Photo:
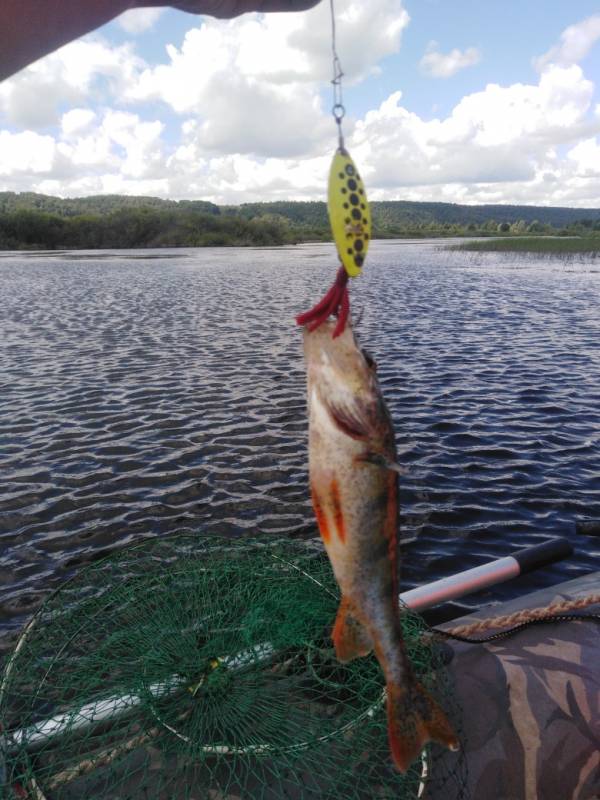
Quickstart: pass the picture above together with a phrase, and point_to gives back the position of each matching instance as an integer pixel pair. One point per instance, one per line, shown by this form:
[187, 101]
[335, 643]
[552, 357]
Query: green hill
[96, 204]
[29, 220]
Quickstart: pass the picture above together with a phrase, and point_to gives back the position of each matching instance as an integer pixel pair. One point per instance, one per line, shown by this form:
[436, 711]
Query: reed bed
[543, 245]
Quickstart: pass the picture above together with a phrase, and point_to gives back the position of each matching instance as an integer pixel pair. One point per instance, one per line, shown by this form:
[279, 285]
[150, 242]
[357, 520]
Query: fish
[353, 471]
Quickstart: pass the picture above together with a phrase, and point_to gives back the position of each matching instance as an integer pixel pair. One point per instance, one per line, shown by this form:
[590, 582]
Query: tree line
[132, 227]
[34, 221]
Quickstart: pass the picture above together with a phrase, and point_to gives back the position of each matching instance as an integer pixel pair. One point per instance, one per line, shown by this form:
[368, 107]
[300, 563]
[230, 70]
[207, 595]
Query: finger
[226, 9]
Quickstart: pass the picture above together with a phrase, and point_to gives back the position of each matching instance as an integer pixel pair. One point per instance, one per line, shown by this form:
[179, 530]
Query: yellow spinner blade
[349, 213]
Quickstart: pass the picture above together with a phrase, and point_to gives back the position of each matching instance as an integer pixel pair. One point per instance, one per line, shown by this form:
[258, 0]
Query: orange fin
[414, 718]
[349, 635]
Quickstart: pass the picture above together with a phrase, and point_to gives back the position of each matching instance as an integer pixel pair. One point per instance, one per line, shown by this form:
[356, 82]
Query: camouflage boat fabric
[531, 705]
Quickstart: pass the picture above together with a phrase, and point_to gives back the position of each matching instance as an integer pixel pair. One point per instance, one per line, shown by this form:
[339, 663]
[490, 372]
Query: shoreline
[479, 242]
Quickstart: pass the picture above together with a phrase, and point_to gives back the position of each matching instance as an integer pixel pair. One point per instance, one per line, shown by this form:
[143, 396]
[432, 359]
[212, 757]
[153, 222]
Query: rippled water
[152, 392]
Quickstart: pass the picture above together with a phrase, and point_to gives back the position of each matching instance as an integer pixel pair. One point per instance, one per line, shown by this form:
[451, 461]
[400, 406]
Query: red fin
[350, 636]
[414, 718]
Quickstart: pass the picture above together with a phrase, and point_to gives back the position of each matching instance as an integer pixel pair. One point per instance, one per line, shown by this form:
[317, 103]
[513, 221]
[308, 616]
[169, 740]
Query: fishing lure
[349, 214]
[349, 218]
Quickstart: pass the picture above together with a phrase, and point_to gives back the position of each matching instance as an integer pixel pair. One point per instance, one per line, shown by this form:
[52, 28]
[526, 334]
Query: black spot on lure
[349, 212]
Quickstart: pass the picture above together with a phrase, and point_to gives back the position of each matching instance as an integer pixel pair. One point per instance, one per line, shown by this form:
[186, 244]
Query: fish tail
[350, 637]
[414, 718]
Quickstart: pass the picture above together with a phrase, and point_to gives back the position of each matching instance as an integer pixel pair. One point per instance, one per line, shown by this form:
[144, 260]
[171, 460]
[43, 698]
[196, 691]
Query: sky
[446, 100]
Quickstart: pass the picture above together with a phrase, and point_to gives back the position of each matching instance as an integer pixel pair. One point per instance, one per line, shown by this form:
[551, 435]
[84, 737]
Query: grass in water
[545, 245]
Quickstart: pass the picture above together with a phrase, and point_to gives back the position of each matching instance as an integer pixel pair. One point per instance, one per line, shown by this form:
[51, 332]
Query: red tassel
[336, 302]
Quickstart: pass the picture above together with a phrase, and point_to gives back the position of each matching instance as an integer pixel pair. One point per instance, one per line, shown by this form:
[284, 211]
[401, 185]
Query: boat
[531, 701]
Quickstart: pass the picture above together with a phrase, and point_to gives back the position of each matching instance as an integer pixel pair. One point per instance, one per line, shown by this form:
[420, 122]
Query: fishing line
[348, 210]
[338, 109]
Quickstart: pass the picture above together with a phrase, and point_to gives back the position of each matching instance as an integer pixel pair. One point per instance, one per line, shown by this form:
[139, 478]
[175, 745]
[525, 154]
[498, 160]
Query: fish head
[343, 390]
[338, 366]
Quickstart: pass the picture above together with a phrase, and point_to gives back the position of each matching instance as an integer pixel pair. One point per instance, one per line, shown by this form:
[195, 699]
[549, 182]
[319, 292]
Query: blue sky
[460, 101]
[509, 34]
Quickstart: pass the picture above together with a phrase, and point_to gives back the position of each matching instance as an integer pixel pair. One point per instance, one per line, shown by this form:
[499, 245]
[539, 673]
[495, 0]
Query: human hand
[30, 29]
[231, 8]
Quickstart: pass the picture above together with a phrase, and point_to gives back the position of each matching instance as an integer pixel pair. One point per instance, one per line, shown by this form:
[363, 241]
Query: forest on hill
[36, 221]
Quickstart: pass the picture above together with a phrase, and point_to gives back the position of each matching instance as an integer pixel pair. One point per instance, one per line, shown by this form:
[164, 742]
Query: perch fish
[354, 488]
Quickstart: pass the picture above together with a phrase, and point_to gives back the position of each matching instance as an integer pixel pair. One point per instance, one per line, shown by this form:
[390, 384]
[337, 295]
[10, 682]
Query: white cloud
[252, 125]
[76, 121]
[121, 147]
[239, 178]
[139, 20]
[139, 141]
[365, 33]
[575, 43]
[251, 118]
[33, 97]
[440, 65]
[550, 111]
[250, 88]
[586, 158]
[275, 48]
[521, 143]
[500, 144]
[26, 152]
[256, 80]
[253, 82]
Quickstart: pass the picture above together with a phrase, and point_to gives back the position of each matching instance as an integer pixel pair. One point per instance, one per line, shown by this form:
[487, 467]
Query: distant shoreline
[30, 221]
[327, 239]
[481, 243]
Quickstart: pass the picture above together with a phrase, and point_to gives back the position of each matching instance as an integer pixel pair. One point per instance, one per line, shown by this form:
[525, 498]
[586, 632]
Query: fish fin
[349, 420]
[350, 637]
[379, 460]
[414, 718]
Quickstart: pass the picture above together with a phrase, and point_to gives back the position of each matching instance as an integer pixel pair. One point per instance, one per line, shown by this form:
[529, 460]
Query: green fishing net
[201, 668]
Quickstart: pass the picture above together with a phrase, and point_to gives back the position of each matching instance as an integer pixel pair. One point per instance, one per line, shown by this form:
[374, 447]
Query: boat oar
[489, 574]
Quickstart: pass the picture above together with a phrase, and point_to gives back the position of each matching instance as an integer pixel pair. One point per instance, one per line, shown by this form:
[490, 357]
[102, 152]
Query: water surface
[148, 392]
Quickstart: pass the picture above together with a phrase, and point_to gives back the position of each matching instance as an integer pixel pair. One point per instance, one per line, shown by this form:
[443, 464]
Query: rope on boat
[555, 612]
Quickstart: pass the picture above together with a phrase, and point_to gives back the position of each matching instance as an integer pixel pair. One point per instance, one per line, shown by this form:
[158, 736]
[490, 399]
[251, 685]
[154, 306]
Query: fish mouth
[320, 344]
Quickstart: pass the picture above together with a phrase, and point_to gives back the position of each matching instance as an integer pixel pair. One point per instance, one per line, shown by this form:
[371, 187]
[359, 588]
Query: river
[148, 392]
